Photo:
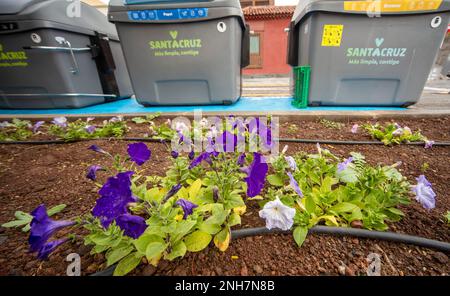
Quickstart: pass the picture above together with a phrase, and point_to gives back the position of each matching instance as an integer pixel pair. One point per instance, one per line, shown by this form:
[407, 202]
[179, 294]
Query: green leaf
[154, 250]
[234, 219]
[144, 240]
[23, 216]
[127, 264]
[310, 205]
[349, 175]
[178, 250]
[56, 209]
[210, 228]
[300, 235]
[117, 254]
[396, 211]
[182, 228]
[343, 207]
[197, 241]
[275, 180]
[15, 223]
[194, 189]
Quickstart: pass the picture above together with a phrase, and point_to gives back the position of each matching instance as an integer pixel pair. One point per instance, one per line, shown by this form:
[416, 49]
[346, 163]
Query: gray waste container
[58, 54]
[367, 54]
[183, 52]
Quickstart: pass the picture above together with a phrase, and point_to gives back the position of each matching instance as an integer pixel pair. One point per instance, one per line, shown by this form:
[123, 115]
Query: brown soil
[54, 174]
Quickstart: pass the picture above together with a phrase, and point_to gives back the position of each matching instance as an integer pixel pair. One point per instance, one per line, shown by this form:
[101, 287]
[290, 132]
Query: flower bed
[32, 175]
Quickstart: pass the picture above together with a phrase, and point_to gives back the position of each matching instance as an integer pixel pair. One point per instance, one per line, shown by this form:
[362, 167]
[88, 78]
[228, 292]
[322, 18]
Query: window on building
[255, 50]
[245, 3]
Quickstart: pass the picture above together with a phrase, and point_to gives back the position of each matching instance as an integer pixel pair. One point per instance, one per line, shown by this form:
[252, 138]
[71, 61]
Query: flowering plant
[324, 189]
[16, 130]
[86, 129]
[393, 133]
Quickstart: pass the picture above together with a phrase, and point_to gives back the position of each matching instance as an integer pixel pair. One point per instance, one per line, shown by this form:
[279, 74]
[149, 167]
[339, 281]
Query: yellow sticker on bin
[392, 5]
[332, 35]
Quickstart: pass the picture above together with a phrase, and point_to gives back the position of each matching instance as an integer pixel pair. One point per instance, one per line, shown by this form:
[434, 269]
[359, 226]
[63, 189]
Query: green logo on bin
[12, 58]
[376, 55]
[174, 34]
[175, 46]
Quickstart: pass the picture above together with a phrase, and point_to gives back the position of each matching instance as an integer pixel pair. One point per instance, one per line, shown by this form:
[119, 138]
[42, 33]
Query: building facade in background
[268, 39]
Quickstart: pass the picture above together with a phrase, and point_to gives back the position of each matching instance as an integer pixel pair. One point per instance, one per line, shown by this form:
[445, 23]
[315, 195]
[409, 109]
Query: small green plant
[147, 119]
[80, 129]
[16, 130]
[323, 190]
[424, 167]
[393, 133]
[292, 128]
[331, 124]
[447, 216]
[24, 219]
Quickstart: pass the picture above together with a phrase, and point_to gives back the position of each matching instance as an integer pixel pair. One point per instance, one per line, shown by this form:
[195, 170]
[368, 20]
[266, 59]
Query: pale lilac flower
[4, 124]
[89, 119]
[277, 215]
[291, 161]
[343, 165]
[90, 129]
[60, 121]
[429, 144]
[355, 128]
[398, 132]
[293, 183]
[424, 193]
[37, 125]
[116, 119]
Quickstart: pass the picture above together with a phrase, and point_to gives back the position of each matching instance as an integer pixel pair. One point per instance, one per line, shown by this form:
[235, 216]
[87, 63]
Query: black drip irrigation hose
[283, 140]
[328, 230]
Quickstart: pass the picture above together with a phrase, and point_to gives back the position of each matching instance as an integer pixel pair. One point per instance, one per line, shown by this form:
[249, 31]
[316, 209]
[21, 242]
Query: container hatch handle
[102, 54]
[292, 50]
[245, 54]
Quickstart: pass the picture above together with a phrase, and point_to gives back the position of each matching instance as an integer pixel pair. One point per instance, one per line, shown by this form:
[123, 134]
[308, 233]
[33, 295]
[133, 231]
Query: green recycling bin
[367, 53]
[183, 52]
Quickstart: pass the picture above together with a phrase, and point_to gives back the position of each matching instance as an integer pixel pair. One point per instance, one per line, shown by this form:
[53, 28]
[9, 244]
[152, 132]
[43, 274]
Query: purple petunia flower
[291, 162]
[174, 154]
[42, 228]
[256, 175]
[97, 149]
[215, 194]
[115, 196]
[227, 142]
[37, 125]
[60, 121]
[205, 156]
[90, 129]
[139, 153]
[174, 190]
[355, 128]
[293, 183]
[424, 193]
[264, 132]
[49, 247]
[429, 144]
[343, 165]
[92, 171]
[241, 159]
[133, 226]
[188, 207]
[191, 155]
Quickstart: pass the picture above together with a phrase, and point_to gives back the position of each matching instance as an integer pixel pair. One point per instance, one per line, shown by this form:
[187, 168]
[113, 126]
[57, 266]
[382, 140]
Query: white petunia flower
[277, 215]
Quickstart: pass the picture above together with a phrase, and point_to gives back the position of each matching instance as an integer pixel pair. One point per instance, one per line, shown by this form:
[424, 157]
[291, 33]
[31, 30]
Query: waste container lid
[370, 7]
[210, 9]
[57, 14]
